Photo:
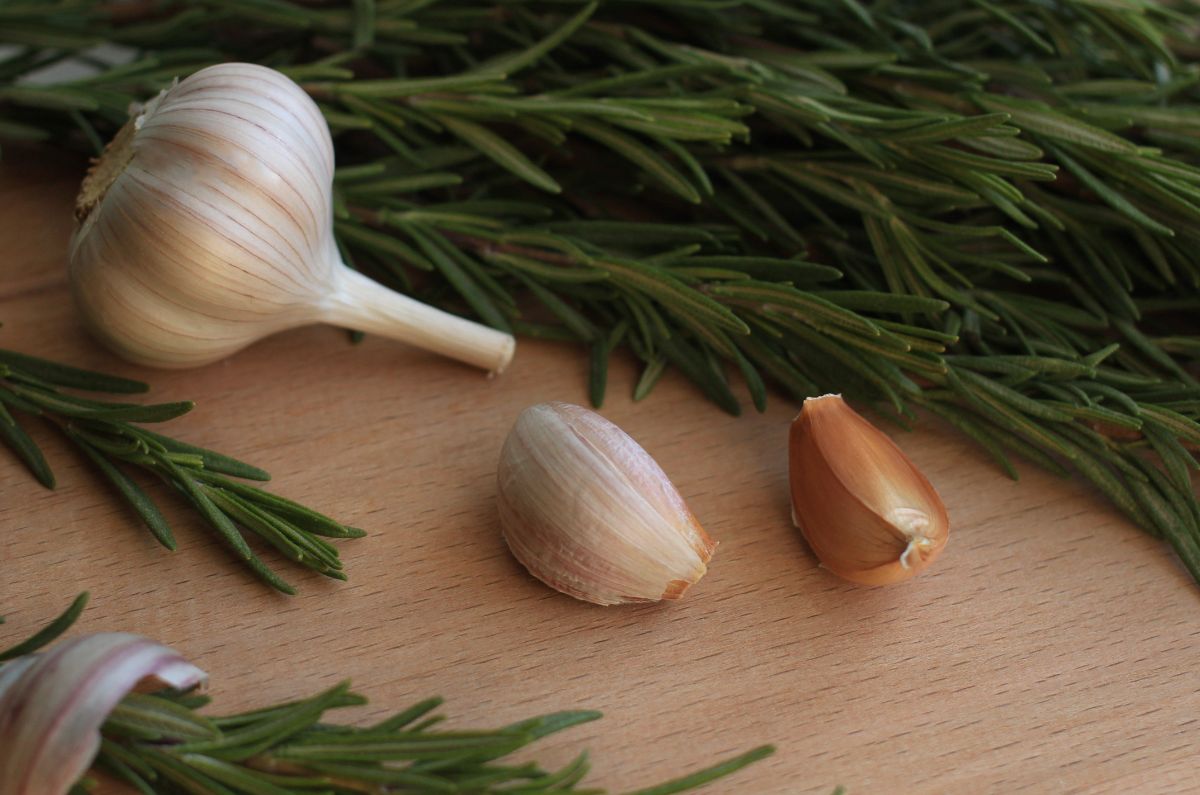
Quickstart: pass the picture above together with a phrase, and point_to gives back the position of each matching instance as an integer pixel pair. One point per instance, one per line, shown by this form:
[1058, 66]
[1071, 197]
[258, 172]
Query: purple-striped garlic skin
[52, 704]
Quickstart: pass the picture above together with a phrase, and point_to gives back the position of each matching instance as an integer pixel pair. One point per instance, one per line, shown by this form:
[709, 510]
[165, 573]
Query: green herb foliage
[161, 744]
[111, 437]
[989, 210]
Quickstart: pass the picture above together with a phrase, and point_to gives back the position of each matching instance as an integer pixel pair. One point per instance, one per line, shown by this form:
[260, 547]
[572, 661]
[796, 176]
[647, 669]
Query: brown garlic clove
[866, 511]
[588, 512]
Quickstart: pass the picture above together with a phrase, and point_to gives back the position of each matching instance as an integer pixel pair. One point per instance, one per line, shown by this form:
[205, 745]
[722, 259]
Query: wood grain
[1051, 648]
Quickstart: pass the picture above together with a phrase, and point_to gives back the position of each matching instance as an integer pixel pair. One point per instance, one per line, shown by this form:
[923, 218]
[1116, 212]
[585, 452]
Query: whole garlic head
[591, 514]
[232, 165]
[207, 224]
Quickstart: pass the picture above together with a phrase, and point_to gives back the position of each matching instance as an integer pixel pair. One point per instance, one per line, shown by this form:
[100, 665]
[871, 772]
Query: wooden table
[1051, 648]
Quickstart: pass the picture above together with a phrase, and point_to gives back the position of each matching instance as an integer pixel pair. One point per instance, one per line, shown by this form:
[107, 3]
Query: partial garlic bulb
[591, 514]
[52, 705]
[207, 225]
[866, 511]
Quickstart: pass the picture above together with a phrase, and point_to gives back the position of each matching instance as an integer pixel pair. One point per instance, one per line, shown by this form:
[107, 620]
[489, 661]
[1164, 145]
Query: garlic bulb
[53, 704]
[207, 225]
[590, 513]
[866, 511]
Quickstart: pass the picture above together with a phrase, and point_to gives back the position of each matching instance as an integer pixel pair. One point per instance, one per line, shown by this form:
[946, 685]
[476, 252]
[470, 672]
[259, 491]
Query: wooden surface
[1051, 648]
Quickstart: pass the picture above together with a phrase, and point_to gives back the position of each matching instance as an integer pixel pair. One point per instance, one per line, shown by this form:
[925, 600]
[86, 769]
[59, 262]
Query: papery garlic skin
[207, 225]
[588, 512]
[52, 705]
[869, 515]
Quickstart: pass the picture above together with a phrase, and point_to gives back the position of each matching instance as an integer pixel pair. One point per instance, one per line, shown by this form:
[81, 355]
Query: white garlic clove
[208, 224]
[869, 515]
[52, 705]
[588, 512]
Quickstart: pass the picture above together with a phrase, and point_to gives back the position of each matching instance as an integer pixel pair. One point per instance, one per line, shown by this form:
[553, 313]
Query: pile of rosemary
[161, 744]
[988, 210]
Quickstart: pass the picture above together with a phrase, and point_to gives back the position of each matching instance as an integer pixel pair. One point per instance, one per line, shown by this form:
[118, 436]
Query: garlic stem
[362, 304]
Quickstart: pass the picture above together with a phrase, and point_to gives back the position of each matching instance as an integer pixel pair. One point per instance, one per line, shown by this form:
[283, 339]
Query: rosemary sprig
[161, 744]
[111, 437]
[990, 212]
